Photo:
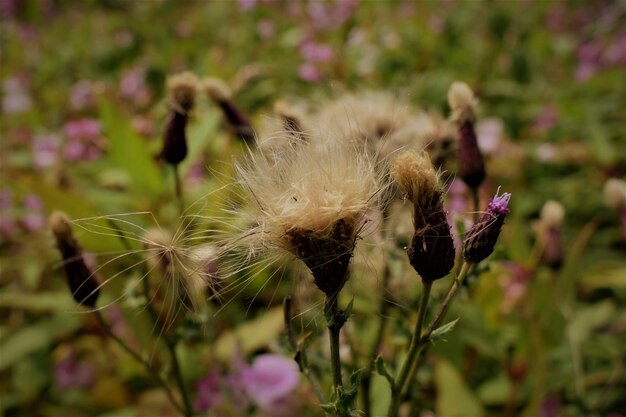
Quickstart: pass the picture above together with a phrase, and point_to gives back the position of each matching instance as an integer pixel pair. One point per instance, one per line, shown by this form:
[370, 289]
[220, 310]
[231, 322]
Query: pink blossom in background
[246, 5]
[84, 139]
[70, 373]
[316, 52]
[546, 120]
[330, 14]
[266, 29]
[309, 72]
[514, 283]
[34, 218]
[81, 95]
[133, 86]
[269, 381]
[208, 393]
[551, 406]
[15, 97]
[45, 151]
[490, 132]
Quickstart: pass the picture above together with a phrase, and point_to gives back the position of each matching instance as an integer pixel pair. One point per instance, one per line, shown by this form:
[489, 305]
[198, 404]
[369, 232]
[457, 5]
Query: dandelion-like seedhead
[462, 102]
[482, 237]
[311, 200]
[181, 89]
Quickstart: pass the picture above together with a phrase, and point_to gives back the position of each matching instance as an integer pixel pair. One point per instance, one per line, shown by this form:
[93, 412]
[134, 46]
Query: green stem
[476, 199]
[401, 382]
[105, 326]
[367, 374]
[335, 322]
[178, 187]
[171, 347]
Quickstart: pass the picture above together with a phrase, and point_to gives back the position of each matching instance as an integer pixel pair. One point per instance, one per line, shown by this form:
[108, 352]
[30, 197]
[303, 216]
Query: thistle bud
[291, 120]
[432, 248]
[470, 165]
[482, 237]
[220, 94]
[551, 220]
[182, 91]
[82, 281]
[615, 197]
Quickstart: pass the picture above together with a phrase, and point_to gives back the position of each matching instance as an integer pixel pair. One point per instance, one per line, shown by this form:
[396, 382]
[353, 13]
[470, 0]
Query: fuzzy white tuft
[216, 89]
[182, 90]
[462, 102]
[552, 214]
[615, 193]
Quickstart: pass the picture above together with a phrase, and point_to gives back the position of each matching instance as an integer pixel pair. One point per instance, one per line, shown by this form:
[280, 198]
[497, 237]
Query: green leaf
[455, 398]
[250, 335]
[439, 332]
[35, 337]
[127, 151]
[59, 301]
[382, 370]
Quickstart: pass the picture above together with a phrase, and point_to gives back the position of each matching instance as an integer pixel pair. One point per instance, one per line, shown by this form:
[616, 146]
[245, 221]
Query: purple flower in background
[271, 379]
[70, 373]
[245, 5]
[15, 96]
[489, 132]
[316, 52]
[209, 395]
[45, 151]
[309, 72]
[551, 406]
[81, 95]
[83, 140]
[328, 15]
[34, 218]
[514, 284]
[266, 29]
[547, 119]
[133, 86]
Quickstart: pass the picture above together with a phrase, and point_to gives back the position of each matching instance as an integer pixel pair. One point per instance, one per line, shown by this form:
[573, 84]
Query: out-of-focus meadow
[83, 114]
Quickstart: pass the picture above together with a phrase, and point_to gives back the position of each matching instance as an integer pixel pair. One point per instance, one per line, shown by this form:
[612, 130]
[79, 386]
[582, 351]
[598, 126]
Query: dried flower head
[615, 193]
[432, 248]
[482, 237]
[552, 214]
[182, 91]
[183, 269]
[312, 201]
[83, 283]
[551, 221]
[221, 94]
[291, 120]
[470, 163]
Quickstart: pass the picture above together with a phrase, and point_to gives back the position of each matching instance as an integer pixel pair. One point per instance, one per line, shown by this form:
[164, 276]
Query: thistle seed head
[182, 91]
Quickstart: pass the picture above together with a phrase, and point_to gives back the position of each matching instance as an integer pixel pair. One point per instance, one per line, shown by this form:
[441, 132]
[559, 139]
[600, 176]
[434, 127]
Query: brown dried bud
[553, 248]
[327, 256]
[471, 165]
[220, 94]
[82, 281]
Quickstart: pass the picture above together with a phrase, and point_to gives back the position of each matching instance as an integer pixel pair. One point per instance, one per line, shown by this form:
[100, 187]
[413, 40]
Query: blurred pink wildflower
[70, 373]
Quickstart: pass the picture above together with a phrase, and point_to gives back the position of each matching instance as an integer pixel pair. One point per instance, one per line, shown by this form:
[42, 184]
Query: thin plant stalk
[300, 354]
[367, 375]
[476, 200]
[414, 349]
[408, 369]
[178, 188]
[105, 326]
[334, 328]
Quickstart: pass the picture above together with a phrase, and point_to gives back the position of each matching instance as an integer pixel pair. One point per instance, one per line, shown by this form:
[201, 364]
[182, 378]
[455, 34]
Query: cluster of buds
[432, 248]
[83, 282]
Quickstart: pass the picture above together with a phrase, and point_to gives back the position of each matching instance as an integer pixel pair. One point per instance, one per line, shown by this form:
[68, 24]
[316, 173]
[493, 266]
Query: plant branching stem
[105, 326]
[300, 354]
[335, 323]
[414, 349]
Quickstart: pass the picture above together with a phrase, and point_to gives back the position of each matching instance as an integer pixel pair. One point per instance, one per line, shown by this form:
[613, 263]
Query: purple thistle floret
[482, 237]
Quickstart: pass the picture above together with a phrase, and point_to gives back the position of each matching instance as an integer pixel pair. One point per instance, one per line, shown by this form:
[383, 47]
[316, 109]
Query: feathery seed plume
[312, 201]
